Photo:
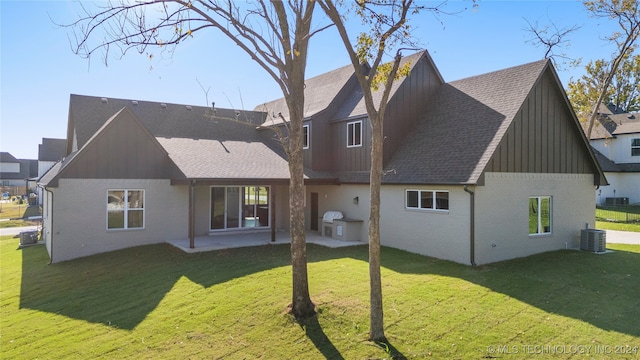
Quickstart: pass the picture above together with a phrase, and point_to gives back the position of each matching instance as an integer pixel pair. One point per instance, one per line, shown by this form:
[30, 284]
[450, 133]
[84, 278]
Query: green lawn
[624, 218]
[17, 212]
[158, 302]
[606, 225]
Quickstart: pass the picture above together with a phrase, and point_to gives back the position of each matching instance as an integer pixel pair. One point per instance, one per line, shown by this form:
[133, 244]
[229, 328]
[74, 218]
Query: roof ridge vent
[163, 105]
[134, 102]
[104, 100]
[189, 107]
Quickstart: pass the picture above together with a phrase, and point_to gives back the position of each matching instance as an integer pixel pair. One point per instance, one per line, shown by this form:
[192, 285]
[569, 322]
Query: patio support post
[192, 210]
[272, 203]
[472, 225]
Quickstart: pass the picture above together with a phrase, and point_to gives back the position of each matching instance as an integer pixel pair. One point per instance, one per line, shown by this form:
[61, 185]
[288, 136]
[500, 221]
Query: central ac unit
[593, 240]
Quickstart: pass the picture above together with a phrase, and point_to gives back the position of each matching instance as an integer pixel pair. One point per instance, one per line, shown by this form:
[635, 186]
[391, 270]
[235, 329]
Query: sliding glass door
[234, 207]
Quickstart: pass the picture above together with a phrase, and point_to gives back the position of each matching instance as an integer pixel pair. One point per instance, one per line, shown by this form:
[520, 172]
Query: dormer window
[305, 136]
[635, 147]
[354, 134]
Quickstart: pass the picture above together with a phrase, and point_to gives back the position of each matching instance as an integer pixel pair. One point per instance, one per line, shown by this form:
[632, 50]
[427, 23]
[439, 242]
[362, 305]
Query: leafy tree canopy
[623, 94]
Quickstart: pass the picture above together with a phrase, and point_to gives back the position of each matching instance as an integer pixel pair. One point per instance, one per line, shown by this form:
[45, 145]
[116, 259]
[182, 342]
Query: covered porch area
[246, 239]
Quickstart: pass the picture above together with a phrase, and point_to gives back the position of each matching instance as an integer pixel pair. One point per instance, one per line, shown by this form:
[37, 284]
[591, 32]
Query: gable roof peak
[536, 66]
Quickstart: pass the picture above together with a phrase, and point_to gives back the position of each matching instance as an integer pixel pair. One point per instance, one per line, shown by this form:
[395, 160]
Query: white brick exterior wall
[79, 226]
[340, 198]
[441, 234]
[502, 227]
[501, 216]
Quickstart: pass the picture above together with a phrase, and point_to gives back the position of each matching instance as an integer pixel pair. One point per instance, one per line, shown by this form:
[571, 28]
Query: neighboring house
[15, 174]
[616, 140]
[49, 153]
[478, 170]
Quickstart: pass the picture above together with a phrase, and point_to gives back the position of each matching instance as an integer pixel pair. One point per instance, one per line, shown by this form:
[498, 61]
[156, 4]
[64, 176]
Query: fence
[619, 213]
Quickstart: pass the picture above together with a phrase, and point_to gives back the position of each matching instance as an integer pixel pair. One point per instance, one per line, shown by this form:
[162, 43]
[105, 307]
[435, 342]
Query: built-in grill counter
[336, 226]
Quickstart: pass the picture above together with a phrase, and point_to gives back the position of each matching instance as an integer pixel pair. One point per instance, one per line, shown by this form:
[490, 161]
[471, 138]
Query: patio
[246, 239]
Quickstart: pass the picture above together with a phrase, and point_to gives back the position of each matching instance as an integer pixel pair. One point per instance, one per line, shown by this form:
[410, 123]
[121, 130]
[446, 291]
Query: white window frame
[126, 210]
[306, 137]
[434, 204]
[540, 228]
[635, 147]
[351, 140]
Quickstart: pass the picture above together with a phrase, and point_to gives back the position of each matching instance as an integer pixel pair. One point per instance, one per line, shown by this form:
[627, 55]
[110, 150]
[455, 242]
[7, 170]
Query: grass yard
[607, 225]
[623, 218]
[157, 302]
[15, 211]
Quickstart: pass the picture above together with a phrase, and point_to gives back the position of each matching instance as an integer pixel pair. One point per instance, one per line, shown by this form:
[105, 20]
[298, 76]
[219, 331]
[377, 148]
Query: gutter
[472, 226]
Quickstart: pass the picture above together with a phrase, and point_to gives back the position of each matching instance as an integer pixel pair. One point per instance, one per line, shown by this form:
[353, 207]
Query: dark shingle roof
[609, 124]
[609, 166]
[6, 157]
[225, 159]
[28, 168]
[319, 92]
[464, 124]
[161, 119]
[52, 149]
[202, 145]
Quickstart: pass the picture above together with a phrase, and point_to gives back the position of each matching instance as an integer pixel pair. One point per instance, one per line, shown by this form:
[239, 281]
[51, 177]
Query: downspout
[192, 211]
[472, 225]
[51, 221]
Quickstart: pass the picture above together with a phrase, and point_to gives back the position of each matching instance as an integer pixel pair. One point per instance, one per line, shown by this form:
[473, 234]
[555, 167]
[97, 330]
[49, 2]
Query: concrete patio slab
[235, 240]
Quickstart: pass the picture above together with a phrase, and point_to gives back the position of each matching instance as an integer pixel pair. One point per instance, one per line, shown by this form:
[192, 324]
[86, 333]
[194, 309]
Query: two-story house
[50, 151]
[15, 174]
[616, 140]
[477, 170]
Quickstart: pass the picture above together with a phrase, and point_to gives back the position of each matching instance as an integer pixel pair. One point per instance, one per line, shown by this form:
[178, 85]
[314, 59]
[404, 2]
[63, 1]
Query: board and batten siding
[405, 107]
[502, 214]
[353, 158]
[79, 225]
[319, 156]
[408, 104]
[543, 138]
[123, 149]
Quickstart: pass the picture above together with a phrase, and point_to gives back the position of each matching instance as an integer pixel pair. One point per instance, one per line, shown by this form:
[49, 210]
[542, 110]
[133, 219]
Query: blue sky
[38, 70]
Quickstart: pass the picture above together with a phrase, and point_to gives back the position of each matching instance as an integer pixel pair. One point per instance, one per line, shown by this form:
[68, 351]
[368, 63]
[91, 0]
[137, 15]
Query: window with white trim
[354, 133]
[305, 136]
[540, 215]
[125, 209]
[427, 199]
[635, 147]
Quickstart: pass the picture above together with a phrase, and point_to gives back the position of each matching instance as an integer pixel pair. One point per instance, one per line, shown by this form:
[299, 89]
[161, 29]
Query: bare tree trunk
[274, 33]
[376, 333]
[301, 305]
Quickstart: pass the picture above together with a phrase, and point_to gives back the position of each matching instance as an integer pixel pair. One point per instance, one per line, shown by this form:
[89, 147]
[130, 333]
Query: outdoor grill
[329, 216]
[327, 222]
